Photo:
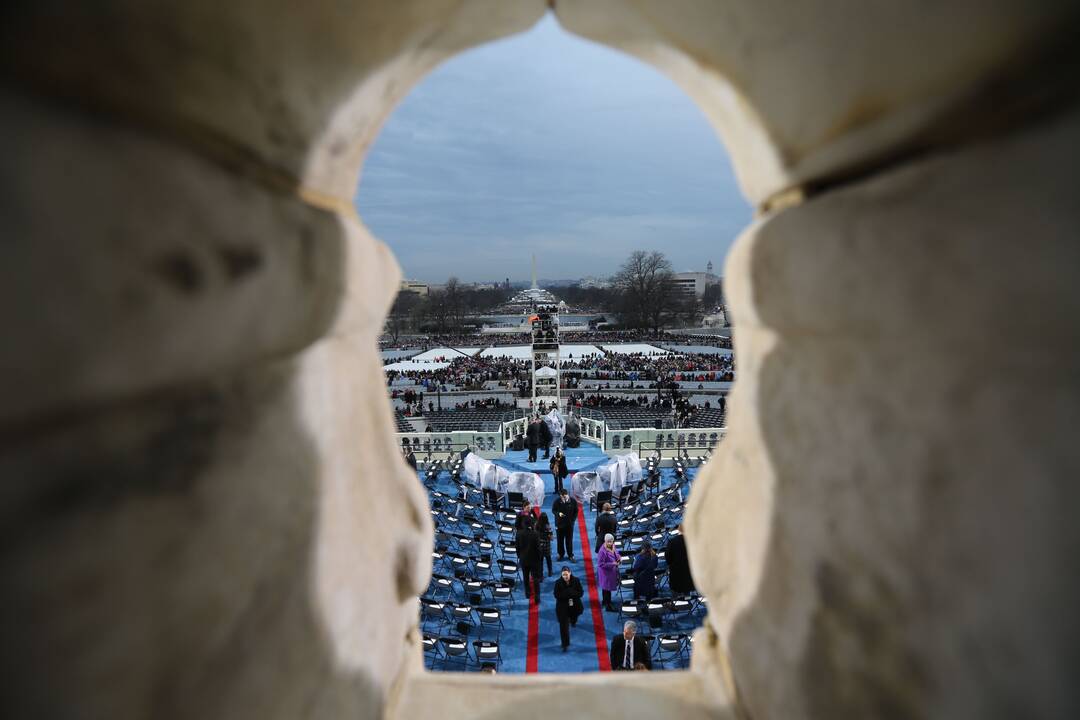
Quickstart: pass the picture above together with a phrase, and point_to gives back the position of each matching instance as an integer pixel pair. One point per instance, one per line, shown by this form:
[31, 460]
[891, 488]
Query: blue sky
[548, 143]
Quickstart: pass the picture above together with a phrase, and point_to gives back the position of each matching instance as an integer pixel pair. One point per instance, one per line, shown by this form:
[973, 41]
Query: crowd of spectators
[593, 337]
[662, 380]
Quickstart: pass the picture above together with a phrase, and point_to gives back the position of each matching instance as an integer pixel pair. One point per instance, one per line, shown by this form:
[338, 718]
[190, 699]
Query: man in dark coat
[558, 469]
[532, 438]
[410, 458]
[528, 552]
[621, 659]
[572, 437]
[679, 578]
[545, 439]
[605, 523]
[568, 593]
[565, 509]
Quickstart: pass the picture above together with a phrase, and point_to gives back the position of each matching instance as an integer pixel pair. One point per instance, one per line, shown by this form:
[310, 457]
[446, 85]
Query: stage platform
[584, 457]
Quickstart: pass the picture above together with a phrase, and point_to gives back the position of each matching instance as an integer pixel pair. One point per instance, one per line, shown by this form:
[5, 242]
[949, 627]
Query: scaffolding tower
[546, 367]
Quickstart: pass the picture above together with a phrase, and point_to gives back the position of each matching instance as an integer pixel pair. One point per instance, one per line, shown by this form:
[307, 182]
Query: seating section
[625, 418]
[708, 418]
[472, 419]
[401, 424]
[475, 588]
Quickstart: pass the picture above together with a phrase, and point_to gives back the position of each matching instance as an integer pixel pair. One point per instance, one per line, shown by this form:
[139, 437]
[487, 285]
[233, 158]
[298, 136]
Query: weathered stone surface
[810, 90]
[296, 92]
[537, 697]
[130, 264]
[890, 516]
[204, 514]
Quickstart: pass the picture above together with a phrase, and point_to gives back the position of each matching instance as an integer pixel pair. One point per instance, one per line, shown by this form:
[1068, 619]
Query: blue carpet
[582, 654]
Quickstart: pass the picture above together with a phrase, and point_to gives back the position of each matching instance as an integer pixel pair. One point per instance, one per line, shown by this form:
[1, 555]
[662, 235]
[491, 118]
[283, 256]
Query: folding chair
[462, 613]
[657, 610]
[454, 649]
[432, 649]
[482, 566]
[508, 570]
[490, 617]
[474, 588]
[629, 610]
[433, 613]
[457, 561]
[502, 591]
[486, 651]
[681, 607]
[442, 583]
[508, 549]
[514, 500]
[671, 648]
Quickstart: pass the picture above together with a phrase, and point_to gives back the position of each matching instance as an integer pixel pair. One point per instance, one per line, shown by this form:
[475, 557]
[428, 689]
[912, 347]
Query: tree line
[643, 295]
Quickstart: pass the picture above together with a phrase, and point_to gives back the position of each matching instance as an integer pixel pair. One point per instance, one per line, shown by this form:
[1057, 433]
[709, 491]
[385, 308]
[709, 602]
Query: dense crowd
[584, 378]
[593, 337]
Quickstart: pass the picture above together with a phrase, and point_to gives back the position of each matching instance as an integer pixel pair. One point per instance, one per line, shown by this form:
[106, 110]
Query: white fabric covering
[557, 427]
[528, 484]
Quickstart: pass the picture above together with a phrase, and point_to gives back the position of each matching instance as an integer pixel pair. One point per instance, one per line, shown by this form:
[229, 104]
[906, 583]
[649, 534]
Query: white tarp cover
[407, 365]
[636, 349]
[623, 470]
[528, 484]
[584, 486]
[557, 427]
[546, 371]
[441, 352]
[484, 474]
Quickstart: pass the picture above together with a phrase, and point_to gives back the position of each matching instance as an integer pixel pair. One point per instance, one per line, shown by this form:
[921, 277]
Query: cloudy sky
[548, 143]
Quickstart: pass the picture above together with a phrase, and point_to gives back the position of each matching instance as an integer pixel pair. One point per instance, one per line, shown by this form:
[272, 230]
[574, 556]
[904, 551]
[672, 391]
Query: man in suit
[605, 524]
[532, 438]
[679, 578]
[558, 469]
[545, 438]
[568, 593]
[565, 509]
[528, 552]
[628, 650]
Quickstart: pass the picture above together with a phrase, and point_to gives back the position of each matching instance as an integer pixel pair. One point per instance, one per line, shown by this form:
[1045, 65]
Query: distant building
[593, 282]
[416, 287]
[694, 283]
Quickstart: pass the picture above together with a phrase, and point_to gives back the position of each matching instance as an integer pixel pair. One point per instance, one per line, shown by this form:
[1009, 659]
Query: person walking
[605, 523]
[543, 533]
[679, 579]
[545, 438]
[607, 562]
[644, 573]
[558, 468]
[532, 438]
[527, 513]
[628, 650]
[565, 509]
[568, 606]
[528, 552]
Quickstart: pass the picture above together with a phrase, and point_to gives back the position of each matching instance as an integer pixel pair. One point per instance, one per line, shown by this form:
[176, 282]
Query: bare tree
[401, 312]
[646, 287]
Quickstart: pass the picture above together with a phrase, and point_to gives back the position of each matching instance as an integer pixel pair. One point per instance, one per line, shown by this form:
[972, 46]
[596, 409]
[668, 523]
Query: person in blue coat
[644, 573]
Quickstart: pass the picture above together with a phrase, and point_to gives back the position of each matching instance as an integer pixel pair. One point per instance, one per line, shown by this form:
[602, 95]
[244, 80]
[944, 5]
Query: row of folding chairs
[452, 649]
[674, 648]
[438, 615]
[679, 612]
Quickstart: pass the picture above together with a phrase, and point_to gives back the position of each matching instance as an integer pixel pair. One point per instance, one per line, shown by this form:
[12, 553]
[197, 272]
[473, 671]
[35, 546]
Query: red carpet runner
[597, 612]
[532, 657]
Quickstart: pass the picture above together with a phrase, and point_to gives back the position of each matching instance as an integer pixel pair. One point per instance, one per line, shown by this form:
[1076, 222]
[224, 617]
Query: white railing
[643, 441]
[669, 442]
[488, 445]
